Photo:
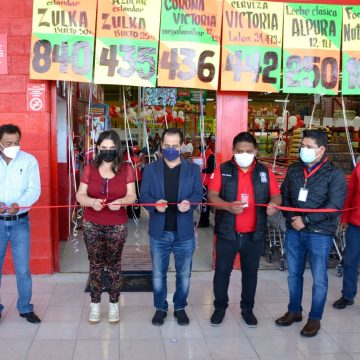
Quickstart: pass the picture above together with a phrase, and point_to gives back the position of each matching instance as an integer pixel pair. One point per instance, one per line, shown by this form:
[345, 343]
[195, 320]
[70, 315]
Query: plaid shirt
[20, 181]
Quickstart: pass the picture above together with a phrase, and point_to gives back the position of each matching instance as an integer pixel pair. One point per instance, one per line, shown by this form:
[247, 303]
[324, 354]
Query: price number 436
[191, 66]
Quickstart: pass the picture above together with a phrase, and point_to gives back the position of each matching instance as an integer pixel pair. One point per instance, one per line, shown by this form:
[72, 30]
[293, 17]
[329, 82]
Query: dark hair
[319, 136]
[114, 136]
[9, 129]
[244, 137]
[173, 131]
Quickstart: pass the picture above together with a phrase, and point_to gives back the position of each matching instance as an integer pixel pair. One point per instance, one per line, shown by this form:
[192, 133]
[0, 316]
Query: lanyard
[313, 171]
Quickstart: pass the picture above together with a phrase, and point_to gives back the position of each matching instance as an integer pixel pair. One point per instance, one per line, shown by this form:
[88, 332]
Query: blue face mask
[170, 154]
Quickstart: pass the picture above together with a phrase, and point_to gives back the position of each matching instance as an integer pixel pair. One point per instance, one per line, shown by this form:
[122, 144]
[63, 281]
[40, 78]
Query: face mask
[244, 160]
[308, 155]
[170, 154]
[11, 151]
[107, 155]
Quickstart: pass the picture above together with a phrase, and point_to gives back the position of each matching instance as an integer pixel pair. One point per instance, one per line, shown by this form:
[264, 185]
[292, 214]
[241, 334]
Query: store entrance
[148, 113]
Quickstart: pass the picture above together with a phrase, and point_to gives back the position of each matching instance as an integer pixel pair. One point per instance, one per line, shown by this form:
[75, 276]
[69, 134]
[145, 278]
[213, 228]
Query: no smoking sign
[36, 97]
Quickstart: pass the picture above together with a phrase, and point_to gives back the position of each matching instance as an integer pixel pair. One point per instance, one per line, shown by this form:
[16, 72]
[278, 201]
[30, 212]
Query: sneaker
[94, 316]
[342, 303]
[217, 317]
[158, 318]
[114, 315]
[181, 317]
[249, 318]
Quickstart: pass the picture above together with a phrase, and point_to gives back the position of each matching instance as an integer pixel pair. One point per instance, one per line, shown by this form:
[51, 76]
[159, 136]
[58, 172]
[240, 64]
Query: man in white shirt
[19, 190]
[187, 148]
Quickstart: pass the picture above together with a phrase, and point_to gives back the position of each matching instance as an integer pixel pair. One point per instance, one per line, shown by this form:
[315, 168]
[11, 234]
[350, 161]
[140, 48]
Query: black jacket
[326, 190]
[224, 220]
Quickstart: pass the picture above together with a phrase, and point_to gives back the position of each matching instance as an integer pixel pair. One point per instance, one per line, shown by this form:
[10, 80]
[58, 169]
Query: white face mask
[244, 160]
[11, 151]
[308, 155]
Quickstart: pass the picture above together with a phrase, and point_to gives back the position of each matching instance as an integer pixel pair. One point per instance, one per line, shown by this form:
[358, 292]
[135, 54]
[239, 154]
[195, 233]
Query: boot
[114, 315]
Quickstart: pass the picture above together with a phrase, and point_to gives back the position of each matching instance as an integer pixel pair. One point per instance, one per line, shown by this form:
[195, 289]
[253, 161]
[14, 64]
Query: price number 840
[45, 55]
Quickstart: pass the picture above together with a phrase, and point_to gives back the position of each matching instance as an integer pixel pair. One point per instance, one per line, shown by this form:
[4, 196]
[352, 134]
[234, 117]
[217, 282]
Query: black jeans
[226, 251]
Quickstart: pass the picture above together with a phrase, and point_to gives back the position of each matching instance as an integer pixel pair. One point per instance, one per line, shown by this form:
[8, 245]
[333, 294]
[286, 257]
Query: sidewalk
[65, 333]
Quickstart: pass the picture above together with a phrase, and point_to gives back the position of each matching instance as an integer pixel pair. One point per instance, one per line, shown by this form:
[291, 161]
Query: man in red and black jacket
[312, 183]
[240, 226]
[350, 221]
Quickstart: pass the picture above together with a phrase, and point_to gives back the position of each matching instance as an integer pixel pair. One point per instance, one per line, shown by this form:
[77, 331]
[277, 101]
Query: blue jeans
[18, 233]
[298, 244]
[351, 262]
[183, 251]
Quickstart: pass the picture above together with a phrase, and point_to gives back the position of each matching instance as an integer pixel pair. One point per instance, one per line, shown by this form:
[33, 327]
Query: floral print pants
[104, 245]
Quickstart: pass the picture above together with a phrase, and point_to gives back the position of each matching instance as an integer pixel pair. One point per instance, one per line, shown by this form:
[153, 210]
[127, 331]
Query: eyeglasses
[105, 188]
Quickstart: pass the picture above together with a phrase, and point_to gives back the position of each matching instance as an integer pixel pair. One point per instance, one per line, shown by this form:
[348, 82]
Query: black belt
[13, 217]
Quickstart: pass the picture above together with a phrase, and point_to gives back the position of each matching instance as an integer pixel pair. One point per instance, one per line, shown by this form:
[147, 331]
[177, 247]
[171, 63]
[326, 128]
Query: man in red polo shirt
[240, 226]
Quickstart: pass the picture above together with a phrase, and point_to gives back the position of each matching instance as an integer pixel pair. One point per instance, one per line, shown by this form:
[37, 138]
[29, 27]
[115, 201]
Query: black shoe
[31, 317]
[249, 318]
[181, 317]
[217, 317]
[158, 318]
[342, 303]
[311, 328]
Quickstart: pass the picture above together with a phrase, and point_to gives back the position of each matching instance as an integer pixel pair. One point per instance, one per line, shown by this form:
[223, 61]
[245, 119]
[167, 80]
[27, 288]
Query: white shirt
[188, 148]
[20, 181]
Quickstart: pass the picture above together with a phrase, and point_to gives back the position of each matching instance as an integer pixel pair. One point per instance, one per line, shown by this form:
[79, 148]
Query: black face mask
[107, 155]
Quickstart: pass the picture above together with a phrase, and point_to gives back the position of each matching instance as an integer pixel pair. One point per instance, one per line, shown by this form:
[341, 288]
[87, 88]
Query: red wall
[15, 21]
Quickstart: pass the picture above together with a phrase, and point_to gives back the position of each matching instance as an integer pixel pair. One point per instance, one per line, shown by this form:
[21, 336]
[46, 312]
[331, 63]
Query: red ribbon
[283, 208]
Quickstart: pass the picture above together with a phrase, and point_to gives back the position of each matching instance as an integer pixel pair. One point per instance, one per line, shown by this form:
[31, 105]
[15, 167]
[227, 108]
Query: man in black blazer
[174, 185]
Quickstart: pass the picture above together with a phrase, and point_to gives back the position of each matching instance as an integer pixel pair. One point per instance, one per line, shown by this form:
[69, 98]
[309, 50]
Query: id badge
[303, 193]
[244, 198]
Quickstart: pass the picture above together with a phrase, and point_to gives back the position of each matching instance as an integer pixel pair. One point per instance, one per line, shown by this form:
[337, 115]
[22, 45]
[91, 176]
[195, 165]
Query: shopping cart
[337, 252]
[275, 239]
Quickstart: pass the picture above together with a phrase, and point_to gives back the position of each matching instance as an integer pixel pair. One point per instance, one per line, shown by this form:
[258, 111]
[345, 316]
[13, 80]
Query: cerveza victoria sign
[250, 45]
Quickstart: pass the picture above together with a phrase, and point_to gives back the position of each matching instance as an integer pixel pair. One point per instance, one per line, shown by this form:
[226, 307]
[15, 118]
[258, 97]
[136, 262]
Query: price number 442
[234, 63]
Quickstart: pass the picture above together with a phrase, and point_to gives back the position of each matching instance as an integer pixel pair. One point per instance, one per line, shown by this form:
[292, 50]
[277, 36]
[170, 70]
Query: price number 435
[132, 56]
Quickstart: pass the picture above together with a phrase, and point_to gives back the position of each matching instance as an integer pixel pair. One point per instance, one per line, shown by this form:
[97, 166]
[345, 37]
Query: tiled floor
[66, 334]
